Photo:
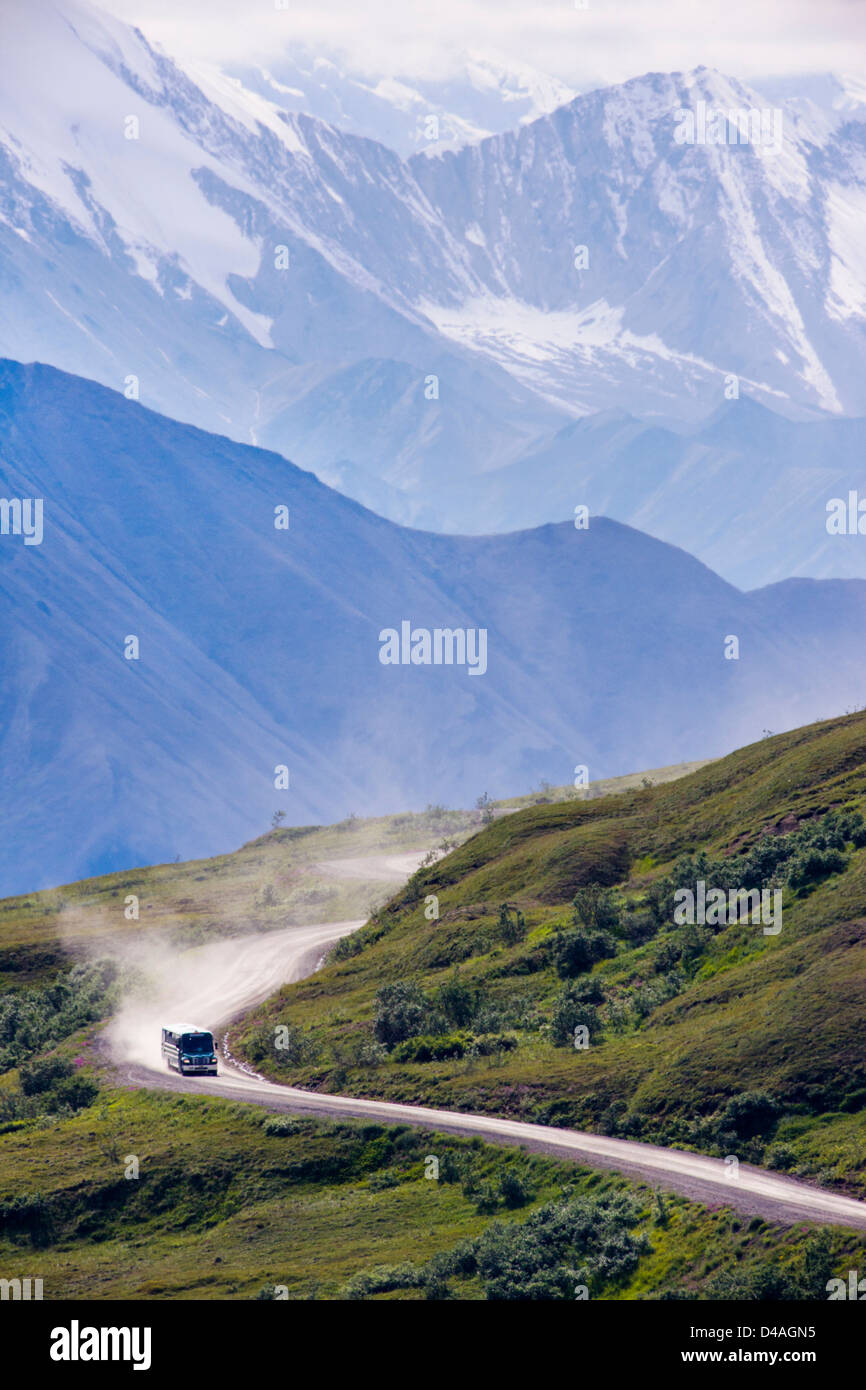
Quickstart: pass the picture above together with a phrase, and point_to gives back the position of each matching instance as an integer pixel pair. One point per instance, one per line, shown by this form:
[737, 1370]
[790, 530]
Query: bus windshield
[196, 1043]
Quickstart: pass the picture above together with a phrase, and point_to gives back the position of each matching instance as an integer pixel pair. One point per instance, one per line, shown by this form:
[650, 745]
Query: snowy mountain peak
[482, 94]
[253, 268]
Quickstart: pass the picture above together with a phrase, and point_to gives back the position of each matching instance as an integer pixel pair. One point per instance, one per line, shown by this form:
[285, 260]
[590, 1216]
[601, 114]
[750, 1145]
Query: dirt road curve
[237, 974]
[377, 868]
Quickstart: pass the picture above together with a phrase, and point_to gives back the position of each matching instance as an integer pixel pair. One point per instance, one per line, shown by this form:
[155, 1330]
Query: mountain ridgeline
[428, 334]
[257, 597]
[733, 1035]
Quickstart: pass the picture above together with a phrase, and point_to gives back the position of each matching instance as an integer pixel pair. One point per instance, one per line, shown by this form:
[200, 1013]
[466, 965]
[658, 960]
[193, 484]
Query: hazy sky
[608, 41]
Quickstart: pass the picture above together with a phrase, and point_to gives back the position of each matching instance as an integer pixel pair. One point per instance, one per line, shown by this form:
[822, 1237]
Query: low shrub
[576, 951]
[431, 1049]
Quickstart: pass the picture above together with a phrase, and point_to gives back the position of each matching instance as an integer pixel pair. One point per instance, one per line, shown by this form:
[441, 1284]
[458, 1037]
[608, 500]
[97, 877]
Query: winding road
[213, 985]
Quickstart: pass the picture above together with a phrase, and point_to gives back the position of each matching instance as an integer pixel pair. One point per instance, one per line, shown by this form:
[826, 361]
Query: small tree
[512, 924]
[458, 1001]
[595, 908]
[570, 1012]
[747, 1116]
[659, 900]
[514, 1189]
[43, 1074]
[277, 819]
[401, 1012]
[576, 951]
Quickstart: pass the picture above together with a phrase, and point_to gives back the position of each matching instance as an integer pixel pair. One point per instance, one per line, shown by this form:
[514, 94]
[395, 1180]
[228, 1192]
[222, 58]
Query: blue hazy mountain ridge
[260, 647]
[746, 491]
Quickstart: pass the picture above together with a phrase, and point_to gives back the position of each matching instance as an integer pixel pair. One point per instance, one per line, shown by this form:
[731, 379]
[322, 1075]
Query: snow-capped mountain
[700, 260]
[259, 647]
[402, 326]
[227, 258]
[483, 94]
[819, 103]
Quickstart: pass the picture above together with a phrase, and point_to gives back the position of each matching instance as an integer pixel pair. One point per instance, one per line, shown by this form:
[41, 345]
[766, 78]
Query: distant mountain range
[483, 94]
[746, 491]
[260, 647]
[425, 333]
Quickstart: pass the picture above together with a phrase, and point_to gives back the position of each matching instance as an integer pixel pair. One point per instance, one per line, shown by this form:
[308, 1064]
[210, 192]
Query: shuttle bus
[189, 1050]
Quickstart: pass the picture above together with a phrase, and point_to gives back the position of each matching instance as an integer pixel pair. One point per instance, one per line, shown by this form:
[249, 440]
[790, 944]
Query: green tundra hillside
[547, 918]
[538, 971]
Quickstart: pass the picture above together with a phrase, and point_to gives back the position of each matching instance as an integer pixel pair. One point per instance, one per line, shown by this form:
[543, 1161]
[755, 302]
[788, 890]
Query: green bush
[43, 1074]
[666, 958]
[595, 908]
[370, 1053]
[49, 1085]
[32, 1020]
[780, 1157]
[812, 864]
[449, 1167]
[569, 1013]
[384, 1279]
[457, 1001]
[489, 1044]
[401, 1012]
[76, 1093]
[487, 1198]
[514, 1190]
[582, 1241]
[638, 927]
[806, 1280]
[576, 951]
[512, 925]
[281, 1125]
[800, 858]
[33, 1216]
[649, 996]
[347, 947]
[431, 1049]
[751, 1115]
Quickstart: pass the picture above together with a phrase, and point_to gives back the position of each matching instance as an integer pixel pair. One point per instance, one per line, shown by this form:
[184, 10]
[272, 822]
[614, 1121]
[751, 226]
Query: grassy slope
[783, 1014]
[197, 900]
[222, 1209]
